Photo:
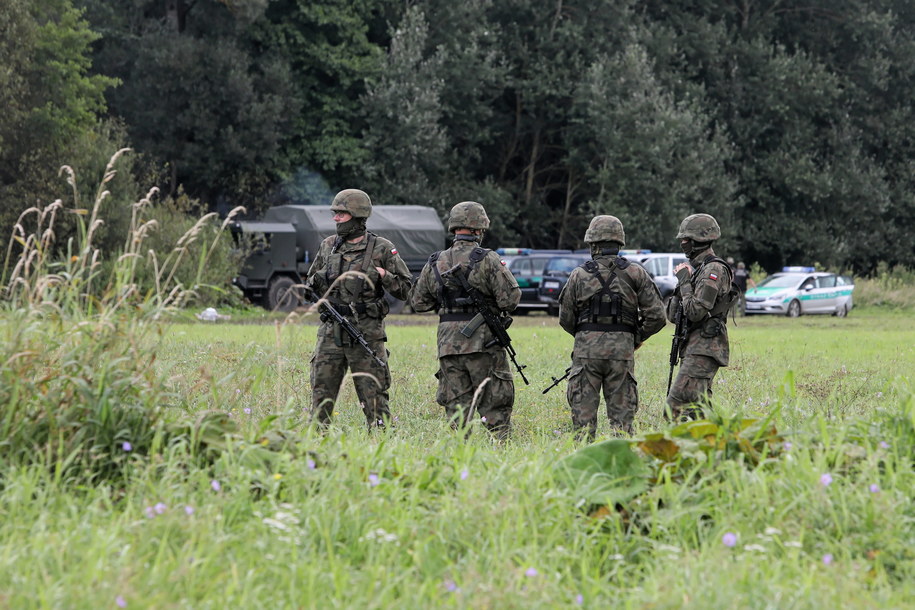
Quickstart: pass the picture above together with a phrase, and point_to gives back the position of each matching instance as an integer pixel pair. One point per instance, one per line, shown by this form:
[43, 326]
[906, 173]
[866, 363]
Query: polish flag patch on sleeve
[393, 250]
[713, 276]
[502, 261]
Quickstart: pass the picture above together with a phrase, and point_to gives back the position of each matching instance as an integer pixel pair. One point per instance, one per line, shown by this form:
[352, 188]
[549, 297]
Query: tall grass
[78, 387]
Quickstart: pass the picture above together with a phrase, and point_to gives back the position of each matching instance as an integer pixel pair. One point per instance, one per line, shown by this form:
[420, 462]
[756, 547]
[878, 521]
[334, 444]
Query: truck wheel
[282, 295]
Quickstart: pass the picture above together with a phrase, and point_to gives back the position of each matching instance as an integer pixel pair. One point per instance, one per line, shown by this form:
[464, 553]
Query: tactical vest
[607, 310]
[334, 268]
[452, 299]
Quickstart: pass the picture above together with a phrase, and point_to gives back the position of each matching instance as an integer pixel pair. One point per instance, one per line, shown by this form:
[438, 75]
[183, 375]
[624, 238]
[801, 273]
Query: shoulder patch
[502, 261]
[393, 250]
[713, 276]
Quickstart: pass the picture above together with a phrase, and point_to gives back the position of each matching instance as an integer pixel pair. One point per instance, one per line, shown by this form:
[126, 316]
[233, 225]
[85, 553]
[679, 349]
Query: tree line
[791, 121]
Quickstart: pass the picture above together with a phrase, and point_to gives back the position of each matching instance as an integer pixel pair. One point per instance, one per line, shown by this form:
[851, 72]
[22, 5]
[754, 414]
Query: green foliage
[50, 101]
[607, 473]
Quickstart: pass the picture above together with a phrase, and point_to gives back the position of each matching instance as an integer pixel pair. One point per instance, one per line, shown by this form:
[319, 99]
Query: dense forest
[791, 121]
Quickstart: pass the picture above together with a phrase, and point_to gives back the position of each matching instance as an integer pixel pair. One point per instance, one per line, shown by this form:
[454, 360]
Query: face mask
[687, 247]
[354, 227]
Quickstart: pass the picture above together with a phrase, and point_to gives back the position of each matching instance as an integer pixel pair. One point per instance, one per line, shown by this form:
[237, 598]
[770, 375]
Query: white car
[800, 291]
[660, 265]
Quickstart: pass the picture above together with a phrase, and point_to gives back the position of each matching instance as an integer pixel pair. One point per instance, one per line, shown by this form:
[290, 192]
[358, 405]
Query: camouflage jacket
[706, 300]
[639, 296]
[324, 279]
[490, 277]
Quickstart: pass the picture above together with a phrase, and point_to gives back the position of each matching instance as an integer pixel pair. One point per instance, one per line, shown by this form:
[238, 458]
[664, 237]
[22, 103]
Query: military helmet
[605, 228]
[354, 201]
[468, 215]
[700, 228]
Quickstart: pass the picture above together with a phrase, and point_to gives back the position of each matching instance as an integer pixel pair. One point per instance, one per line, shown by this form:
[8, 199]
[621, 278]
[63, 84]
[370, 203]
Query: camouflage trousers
[588, 377]
[329, 364]
[459, 389]
[692, 388]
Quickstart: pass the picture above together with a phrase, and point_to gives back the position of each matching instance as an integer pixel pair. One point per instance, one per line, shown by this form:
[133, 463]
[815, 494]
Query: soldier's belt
[624, 328]
[345, 309]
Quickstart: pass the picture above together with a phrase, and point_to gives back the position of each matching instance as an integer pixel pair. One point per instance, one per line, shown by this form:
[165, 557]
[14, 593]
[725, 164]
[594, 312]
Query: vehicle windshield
[562, 266]
[779, 281]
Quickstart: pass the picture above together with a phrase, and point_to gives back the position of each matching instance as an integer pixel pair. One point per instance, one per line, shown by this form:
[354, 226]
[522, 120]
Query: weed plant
[78, 384]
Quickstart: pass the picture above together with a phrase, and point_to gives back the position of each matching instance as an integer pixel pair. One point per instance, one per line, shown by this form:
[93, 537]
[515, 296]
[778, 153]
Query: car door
[826, 295]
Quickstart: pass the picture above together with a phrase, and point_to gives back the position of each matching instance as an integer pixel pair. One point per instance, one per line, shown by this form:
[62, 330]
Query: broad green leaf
[608, 472]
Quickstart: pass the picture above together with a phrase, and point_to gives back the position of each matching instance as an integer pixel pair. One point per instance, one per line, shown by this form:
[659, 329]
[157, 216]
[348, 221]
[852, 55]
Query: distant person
[473, 370]
[704, 292]
[359, 297]
[611, 307]
[741, 279]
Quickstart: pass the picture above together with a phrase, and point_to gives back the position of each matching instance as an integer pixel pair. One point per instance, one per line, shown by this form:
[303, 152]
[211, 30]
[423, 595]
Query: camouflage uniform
[607, 329]
[362, 301]
[466, 362]
[706, 296]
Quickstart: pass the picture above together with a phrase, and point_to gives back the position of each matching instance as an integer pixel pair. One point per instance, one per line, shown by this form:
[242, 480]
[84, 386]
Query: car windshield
[563, 265]
[779, 281]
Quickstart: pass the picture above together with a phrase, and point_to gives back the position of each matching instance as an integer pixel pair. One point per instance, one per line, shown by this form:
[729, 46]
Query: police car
[801, 290]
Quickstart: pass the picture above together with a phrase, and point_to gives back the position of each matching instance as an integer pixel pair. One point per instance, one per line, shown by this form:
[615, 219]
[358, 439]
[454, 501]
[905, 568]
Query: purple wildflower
[126, 446]
[150, 513]
[247, 410]
[189, 510]
[787, 445]
[120, 601]
[826, 480]
[874, 488]
[464, 474]
[160, 508]
[310, 463]
[215, 485]
[373, 479]
[729, 539]
[451, 586]
[884, 445]
[531, 572]
[579, 599]
[827, 559]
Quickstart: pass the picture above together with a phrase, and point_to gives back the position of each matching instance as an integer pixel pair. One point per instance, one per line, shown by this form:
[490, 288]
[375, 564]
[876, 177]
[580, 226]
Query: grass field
[417, 517]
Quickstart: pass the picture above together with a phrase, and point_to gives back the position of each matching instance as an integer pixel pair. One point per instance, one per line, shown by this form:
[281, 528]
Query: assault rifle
[328, 312]
[679, 337]
[556, 380]
[484, 313]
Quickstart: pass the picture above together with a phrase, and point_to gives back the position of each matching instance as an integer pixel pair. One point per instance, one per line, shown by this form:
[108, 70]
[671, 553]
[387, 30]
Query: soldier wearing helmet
[610, 306]
[705, 294]
[473, 371]
[352, 270]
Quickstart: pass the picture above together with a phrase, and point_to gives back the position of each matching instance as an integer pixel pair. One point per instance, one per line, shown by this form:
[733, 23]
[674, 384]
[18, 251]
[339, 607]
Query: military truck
[283, 244]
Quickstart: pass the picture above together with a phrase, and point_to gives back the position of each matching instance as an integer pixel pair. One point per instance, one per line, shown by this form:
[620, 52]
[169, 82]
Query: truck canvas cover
[415, 230]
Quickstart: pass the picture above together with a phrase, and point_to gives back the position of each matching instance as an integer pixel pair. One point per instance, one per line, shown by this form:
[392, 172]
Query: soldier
[374, 267]
[610, 306]
[466, 362]
[704, 292]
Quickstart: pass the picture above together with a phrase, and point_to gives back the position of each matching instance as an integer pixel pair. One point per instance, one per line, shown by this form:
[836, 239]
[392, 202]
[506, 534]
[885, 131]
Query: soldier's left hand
[683, 272]
[381, 271]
